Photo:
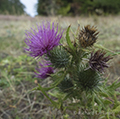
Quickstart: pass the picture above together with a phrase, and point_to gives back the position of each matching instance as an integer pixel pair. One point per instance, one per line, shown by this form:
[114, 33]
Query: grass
[17, 69]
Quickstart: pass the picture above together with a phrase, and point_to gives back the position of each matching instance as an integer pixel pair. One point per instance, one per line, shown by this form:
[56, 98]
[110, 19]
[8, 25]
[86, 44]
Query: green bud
[59, 57]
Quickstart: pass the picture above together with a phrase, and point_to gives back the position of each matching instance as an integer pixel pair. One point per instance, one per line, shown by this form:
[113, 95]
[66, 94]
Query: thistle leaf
[107, 102]
[114, 85]
[110, 52]
[68, 39]
[43, 91]
[117, 109]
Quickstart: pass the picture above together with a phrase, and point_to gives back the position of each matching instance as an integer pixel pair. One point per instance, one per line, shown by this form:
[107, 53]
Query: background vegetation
[63, 7]
[77, 7]
[14, 7]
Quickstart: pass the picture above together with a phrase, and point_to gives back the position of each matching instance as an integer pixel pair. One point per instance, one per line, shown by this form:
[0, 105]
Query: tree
[77, 7]
[14, 7]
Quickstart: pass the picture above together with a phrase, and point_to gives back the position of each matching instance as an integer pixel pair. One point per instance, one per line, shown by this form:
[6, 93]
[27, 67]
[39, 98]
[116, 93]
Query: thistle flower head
[45, 70]
[88, 36]
[42, 40]
[98, 61]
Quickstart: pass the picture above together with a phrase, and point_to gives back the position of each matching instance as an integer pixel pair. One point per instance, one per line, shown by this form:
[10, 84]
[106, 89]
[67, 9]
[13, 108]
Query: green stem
[53, 102]
[100, 46]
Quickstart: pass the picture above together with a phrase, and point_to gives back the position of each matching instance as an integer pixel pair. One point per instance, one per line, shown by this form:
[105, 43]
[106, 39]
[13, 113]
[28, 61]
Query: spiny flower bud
[98, 61]
[59, 57]
[88, 36]
[66, 85]
[88, 79]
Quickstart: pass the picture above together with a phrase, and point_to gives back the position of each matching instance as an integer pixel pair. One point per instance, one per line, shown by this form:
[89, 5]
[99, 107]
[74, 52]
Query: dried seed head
[88, 36]
[98, 61]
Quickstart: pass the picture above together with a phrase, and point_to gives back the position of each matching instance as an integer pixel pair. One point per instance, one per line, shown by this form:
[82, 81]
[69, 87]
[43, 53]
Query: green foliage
[68, 39]
[117, 109]
[76, 86]
[41, 6]
[11, 7]
[77, 7]
[64, 10]
[108, 6]
[16, 69]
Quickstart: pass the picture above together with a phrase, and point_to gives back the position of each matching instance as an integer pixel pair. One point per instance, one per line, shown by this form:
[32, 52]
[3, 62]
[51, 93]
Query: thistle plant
[44, 70]
[88, 36]
[43, 40]
[75, 69]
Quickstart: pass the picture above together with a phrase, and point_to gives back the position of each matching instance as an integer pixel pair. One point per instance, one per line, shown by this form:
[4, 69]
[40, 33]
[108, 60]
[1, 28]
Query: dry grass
[16, 70]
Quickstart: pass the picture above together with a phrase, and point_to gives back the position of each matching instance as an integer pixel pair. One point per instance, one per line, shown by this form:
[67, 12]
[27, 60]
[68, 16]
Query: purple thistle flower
[98, 61]
[45, 70]
[42, 40]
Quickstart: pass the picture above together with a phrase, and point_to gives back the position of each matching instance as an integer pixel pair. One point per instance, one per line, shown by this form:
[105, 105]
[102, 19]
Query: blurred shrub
[14, 7]
[108, 6]
[77, 7]
[64, 10]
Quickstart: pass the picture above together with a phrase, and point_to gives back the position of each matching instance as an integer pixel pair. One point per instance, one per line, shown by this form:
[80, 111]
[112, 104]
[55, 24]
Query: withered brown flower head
[98, 61]
[88, 36]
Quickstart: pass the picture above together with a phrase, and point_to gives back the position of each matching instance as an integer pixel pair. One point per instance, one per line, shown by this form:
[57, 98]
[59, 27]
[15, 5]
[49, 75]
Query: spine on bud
[58, 57]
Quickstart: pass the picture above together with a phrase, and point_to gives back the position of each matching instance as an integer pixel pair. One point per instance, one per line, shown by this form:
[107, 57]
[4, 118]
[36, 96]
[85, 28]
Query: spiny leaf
[43, 91]
[117, 109]
[68, 39]
[110, 52]
[103, 92]
[107, 102]
[58, 78]
[56, 93]
[114, 85]
[99, 101]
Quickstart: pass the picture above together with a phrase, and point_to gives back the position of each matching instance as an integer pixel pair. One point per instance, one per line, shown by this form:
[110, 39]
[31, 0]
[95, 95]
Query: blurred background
[59, 7]
[17, 77]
